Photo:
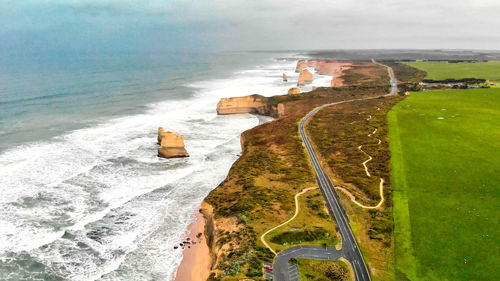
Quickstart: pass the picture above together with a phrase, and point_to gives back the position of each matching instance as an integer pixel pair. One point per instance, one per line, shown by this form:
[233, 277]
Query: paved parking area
[293, 272]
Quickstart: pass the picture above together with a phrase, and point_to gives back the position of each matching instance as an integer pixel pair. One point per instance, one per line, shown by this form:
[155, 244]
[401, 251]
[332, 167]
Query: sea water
[83, 194]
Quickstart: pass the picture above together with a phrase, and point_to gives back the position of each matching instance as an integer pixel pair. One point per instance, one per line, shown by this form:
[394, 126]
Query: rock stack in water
[294, 91]
[285, 79]
[305, 77]
[300, 64]
[171, 145]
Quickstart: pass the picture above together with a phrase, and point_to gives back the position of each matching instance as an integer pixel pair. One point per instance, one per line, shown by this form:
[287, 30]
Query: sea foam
[97, 203]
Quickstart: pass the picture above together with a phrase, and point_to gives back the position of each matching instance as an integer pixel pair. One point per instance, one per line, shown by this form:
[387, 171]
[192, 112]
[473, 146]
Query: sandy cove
[196, 261]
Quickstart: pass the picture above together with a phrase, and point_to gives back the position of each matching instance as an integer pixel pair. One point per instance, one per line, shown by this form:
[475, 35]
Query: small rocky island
[171, 145]
[305, 76]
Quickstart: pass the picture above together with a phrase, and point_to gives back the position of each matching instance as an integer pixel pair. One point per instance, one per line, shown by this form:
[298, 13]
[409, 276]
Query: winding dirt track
[297, 209]
[381, 185]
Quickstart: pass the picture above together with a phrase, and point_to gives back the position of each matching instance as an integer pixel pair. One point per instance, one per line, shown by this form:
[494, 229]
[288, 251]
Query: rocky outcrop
[305, 77]
[245, 104]
[294, 91]
[322, 67]
[285, 79]
[281, 109]
[300, 64]
[171, 145]
[314, 88]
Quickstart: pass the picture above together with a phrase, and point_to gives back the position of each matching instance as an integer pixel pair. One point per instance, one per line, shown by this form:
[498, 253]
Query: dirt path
[364, 163]
[297, 209]
[381, 185]
[353, 198]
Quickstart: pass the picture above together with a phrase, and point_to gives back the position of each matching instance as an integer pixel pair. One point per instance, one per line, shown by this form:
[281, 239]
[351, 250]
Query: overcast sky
[154, 25]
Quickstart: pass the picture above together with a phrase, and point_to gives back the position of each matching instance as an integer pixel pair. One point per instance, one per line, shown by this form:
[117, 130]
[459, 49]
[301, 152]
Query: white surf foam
[124, 207]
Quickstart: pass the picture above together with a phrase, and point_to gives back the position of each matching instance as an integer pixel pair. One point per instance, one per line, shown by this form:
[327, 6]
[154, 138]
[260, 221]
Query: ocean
[83, 194]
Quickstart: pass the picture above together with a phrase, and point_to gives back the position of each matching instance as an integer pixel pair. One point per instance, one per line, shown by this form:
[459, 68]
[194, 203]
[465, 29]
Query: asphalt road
[350, 249]
[281, 268]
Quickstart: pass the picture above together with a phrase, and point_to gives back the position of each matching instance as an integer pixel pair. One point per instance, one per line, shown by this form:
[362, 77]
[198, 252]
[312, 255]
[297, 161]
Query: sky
[31, 26]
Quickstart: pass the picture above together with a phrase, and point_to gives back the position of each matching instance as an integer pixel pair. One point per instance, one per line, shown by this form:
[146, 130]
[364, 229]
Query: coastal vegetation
[318, 270]
[313, 225]
[444, 171]
[337, 132]
[365, 74]
[405, 72]
[259, 190]
[442, 70]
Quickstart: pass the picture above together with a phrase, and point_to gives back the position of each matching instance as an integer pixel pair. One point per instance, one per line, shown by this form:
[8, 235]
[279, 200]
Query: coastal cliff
[171, 145]
[323, 67]
[246, 104]
[294, 91]
[260, 187]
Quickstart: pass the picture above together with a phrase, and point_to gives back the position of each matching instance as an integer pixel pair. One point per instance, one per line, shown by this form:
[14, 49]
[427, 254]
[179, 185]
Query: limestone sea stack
[294, 91]
[305, 77]
[285, 79]
[300, 64]
[171, 145]
[246, 104]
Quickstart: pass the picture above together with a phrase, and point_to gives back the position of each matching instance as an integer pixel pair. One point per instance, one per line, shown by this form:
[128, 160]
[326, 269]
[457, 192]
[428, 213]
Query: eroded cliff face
[171, 145]
[245, 104]
[215, 229]
[305, 77]
[294, 91]
[325, 67]
[300, 65]
[337, 81]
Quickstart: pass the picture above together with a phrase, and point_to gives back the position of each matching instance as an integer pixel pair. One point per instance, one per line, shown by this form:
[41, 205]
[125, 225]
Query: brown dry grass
[260, 187]
[337, 131]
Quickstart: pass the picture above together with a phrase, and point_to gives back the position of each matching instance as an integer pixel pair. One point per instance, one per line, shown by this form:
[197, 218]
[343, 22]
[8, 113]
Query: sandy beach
[195, 265]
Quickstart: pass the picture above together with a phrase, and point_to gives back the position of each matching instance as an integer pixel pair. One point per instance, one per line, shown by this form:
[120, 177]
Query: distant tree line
[450, 80]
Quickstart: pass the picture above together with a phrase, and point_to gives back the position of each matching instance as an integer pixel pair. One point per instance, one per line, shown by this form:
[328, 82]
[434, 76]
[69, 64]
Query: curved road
[350, 249]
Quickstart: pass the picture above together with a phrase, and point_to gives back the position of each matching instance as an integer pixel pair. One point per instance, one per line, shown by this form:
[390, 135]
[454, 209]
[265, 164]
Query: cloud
[243, 24]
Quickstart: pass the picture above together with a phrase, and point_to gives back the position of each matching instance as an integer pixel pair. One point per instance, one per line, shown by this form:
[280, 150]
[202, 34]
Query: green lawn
[445, 172]
[442, 70]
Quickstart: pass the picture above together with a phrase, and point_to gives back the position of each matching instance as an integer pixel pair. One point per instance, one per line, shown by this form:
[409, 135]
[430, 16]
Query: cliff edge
[245, 104]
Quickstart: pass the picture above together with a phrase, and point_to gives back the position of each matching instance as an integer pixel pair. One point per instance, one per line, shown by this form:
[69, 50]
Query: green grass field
[442, 70]
[445, 172]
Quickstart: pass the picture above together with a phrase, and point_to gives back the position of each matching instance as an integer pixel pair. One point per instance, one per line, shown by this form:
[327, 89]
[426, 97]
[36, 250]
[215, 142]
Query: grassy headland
[445, 150]
[313, 225]
[365, 74]
[259, 190]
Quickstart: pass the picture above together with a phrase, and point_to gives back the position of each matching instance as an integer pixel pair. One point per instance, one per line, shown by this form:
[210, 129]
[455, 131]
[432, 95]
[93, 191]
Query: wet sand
[195, 265]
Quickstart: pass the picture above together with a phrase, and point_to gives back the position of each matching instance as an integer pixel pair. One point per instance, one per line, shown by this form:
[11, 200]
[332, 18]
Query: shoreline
[196, 260]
